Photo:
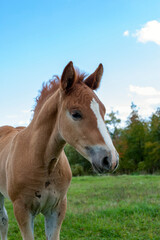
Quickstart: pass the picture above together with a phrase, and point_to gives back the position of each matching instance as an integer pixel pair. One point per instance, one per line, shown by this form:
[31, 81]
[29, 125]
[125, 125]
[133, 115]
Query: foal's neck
[46, 139]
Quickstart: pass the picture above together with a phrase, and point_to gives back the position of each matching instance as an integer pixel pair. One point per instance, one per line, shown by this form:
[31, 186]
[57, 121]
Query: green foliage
[139, 143]
[141, 166]
[79, 165]
[155, 126]
[152, 156]
[105, 208]
[113, 121]
[77, 170]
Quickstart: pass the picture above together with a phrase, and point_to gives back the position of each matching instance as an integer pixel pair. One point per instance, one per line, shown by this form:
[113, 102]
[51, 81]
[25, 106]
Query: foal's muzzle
[102, 160]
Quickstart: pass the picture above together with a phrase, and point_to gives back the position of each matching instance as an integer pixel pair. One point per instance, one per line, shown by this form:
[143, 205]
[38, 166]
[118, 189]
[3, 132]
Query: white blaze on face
[101, 126]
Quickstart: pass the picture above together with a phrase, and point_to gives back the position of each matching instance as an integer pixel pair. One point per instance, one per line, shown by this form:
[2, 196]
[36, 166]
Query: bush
[77, 170]
[75, 158]
[141, 166]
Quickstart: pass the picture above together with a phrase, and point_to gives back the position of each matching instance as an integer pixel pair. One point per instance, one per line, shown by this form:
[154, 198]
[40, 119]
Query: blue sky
[38, 38]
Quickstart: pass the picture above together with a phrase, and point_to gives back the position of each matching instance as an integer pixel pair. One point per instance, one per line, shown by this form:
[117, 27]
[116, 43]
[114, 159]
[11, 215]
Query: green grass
[113, 208]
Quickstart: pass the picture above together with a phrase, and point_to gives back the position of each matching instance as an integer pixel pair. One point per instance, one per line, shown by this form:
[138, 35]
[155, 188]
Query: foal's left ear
[68, 77]
[94, 79]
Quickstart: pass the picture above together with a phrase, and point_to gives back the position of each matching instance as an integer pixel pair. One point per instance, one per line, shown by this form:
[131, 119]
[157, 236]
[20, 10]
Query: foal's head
[81, 119]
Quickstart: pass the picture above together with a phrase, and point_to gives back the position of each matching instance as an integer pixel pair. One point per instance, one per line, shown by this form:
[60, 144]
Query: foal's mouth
[101, 159]
[101, 170]
[98, 169]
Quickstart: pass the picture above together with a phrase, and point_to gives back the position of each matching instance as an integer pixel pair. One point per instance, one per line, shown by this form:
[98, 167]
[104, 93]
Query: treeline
[138, 145]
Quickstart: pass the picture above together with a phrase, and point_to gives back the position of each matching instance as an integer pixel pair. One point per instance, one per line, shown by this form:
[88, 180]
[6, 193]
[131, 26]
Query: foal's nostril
[106, 162]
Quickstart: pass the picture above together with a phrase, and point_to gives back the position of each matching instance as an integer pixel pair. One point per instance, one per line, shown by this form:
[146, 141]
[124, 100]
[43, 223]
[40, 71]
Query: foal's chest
[52, 189]
[45, 200]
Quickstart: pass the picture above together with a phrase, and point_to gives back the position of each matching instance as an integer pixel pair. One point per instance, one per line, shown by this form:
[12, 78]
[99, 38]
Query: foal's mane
[49, 88]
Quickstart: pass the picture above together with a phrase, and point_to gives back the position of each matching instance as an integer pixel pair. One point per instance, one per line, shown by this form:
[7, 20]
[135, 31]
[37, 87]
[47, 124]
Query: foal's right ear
[68, 77]
[94, 79]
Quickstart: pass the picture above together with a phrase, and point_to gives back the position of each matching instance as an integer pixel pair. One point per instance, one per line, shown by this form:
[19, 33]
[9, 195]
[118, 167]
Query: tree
[113, 121]
[133, 140]
[152, 145]
[155, 126]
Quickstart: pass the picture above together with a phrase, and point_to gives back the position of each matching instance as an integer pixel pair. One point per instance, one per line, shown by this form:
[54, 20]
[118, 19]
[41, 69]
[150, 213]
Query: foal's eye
[76, 115]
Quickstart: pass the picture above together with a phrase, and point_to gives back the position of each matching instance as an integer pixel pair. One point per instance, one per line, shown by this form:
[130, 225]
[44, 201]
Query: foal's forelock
[49, 88]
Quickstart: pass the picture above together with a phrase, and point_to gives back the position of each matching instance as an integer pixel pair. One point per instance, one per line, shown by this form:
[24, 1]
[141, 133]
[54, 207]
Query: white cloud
[154, 101]
[126, 33]
[150, 32]
[144, 91]
[146, 98]
[123, 110]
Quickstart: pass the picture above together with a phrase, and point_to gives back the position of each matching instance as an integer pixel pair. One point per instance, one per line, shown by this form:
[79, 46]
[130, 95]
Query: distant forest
[138, 145]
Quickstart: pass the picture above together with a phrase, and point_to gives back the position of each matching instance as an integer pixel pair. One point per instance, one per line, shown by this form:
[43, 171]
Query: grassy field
[107, 207]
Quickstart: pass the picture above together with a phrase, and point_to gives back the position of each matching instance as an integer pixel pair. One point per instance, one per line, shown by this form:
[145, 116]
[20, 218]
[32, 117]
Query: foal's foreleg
[24, 219]
[3, 219]
[53, 221]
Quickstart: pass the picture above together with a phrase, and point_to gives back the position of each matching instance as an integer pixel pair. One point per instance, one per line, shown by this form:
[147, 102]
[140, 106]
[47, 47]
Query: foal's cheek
[65, 127]
[69, 129]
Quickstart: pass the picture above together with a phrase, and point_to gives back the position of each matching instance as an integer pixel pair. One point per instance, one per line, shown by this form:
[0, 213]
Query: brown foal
[34, 171]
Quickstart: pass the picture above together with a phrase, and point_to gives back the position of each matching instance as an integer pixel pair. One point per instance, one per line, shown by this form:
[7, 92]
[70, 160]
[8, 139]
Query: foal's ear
[94, 79]
[68, 77]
